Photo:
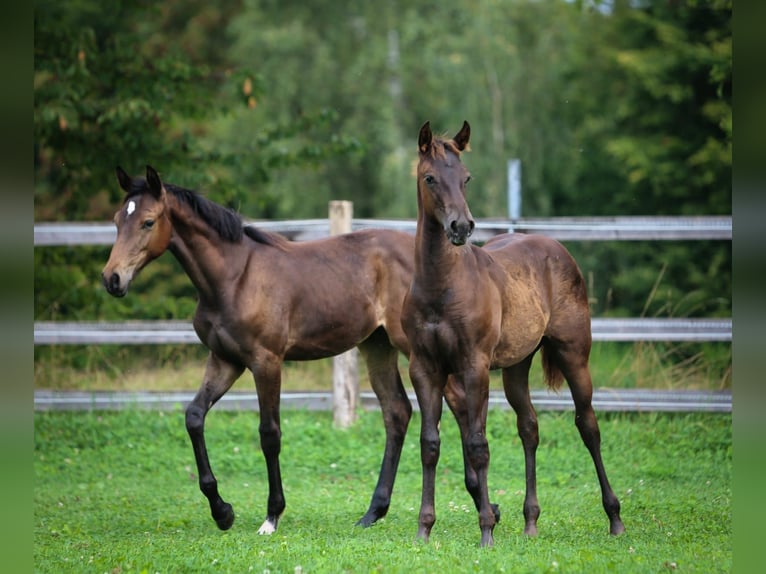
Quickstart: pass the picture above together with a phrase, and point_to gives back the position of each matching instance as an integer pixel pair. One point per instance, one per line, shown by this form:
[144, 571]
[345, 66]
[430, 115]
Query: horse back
[384, 257]
[355, 282]
[540, 261]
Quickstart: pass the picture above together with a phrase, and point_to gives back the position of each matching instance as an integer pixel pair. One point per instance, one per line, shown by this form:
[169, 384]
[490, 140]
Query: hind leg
[267, 372]
[382, 365]
[516, 386]
[219, 376]
[572, 359]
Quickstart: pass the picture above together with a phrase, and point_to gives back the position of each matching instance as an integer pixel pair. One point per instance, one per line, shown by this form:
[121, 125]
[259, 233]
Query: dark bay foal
[472, 309]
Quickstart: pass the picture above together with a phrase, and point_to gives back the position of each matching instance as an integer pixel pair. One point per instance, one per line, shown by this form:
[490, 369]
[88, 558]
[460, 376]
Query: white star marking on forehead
[131, 207]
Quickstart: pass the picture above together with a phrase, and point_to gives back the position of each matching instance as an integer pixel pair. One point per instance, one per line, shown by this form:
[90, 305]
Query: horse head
[143, 230]
[442, 178]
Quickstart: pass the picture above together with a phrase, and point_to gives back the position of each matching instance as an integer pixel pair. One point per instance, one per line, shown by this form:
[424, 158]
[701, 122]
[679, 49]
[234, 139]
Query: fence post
[345, 373]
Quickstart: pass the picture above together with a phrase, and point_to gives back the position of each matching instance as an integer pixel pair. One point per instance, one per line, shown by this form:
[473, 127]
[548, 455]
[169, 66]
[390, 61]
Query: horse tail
[552, 374]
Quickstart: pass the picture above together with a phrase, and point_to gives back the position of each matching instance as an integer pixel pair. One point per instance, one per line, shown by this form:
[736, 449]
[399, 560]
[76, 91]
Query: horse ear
[125, 181]
[462, 137]
[425, 137]
[153, 179]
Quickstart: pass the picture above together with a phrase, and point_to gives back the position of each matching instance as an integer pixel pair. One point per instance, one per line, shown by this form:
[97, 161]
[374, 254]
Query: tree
[656, 135]
[662, 121]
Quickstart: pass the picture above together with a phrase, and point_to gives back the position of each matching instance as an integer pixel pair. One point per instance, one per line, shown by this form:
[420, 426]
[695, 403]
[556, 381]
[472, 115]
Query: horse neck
[435, 256]
[205, 257]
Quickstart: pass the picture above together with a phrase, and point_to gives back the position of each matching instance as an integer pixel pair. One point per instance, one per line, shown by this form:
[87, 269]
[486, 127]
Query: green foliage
[131, 84]
[657, 279]
[68, 287]
[117, 491]
[105, 95]
[674, 112]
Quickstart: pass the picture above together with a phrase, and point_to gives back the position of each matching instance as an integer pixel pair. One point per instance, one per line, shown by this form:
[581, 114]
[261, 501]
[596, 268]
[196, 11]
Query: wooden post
[345, 373]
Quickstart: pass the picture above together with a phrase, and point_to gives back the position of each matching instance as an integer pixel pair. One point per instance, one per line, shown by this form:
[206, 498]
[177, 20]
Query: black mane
[261, 236]
[223, 220]
[226, 222]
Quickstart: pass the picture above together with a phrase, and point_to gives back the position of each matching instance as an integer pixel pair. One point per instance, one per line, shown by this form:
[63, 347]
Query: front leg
[476, 384]
[219, 376]
[429, 389]
[454, 394]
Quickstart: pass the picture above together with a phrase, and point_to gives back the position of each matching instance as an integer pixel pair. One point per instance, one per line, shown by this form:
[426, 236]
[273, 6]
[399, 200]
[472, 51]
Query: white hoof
[267, 528]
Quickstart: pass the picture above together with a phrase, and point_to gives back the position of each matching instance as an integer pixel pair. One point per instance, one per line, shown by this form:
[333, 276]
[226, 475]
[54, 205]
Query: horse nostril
[462, 227]
[112, 282]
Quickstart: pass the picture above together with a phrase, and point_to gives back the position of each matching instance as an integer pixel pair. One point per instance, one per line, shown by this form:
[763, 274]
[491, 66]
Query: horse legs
[219, 376]
[516, 385]
[475, 381]
[429, 386]
[382, 365]
[469, 403]
[267, 372]
[454, 394]
[573, 362]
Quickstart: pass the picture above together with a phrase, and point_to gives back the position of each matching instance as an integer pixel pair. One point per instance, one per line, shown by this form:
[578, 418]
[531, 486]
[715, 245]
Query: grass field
[117, 493]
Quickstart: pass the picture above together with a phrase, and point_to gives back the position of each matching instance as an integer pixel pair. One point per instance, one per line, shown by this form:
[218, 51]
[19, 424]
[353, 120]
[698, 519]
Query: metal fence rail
[182, 332]
[650, 329]
[614, 400]
[561, 228]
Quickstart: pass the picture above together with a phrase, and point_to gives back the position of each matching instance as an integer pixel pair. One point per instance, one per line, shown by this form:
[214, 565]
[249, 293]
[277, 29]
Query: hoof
[269, 526]
[487, 540]
[530, 530]
[371, 517]
[422, 535]
[224, 522]
[616, 528]
[366, 521]
[496, 512]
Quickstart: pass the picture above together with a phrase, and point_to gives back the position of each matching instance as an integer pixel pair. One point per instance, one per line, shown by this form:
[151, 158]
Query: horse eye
[148, 224]
[429, 179]
[467, 179]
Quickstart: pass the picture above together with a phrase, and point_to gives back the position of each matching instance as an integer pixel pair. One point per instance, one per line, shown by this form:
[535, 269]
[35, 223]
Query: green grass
[117, 493]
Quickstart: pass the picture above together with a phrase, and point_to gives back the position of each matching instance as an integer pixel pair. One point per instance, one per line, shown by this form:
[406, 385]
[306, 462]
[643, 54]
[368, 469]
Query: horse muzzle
[114, 284]
[459, 231]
